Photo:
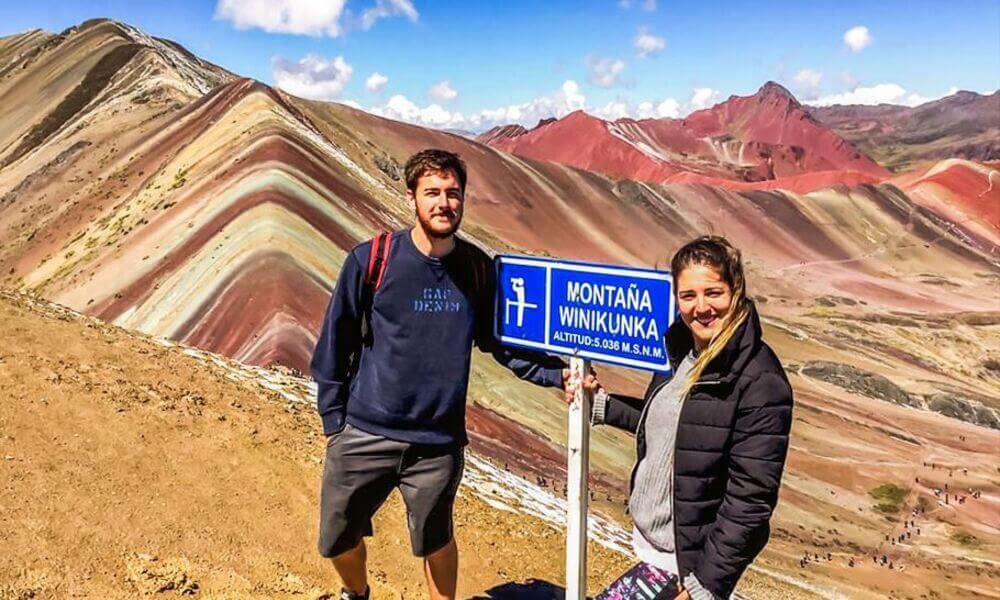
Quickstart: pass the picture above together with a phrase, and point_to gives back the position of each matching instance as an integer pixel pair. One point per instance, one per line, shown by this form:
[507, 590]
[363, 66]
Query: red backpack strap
[377, 260]
[383, 258]
[375, 257]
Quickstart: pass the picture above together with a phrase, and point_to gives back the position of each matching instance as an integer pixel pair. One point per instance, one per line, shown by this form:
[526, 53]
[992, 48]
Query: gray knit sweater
[651, 501]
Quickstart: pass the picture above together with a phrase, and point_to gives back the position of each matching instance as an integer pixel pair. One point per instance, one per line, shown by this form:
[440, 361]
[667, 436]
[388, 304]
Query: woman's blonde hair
[716, 252]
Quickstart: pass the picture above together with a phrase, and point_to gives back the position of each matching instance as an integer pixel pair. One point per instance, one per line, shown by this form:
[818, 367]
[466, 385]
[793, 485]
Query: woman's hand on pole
[570, 385]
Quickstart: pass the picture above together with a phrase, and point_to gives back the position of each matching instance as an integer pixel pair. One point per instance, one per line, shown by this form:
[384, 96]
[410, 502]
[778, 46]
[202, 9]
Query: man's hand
[684, 595]
[590, 383]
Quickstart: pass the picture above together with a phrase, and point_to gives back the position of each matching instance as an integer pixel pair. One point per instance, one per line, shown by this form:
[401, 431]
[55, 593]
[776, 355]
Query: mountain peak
[500, 132]
[775, 89]
[579, 114]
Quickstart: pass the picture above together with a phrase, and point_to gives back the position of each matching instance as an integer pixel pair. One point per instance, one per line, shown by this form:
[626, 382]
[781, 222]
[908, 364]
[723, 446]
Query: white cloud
[857, 38]
[647, 5]
[376, 82]
[386, 8]
[882, 93]
[556, 105]
[647, 44]
[703, 98]
[612, 111]
[669, 108]
[401, 108]
[443, 91]
[807, 82]
[306, 17]
[604, 72]
[313, 77]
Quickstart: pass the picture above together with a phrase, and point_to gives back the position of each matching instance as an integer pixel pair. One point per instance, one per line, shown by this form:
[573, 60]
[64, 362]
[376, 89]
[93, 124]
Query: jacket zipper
[673, 477]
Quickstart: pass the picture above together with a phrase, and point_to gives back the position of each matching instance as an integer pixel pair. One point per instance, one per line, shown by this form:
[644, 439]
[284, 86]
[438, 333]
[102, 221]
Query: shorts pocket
[333, 437]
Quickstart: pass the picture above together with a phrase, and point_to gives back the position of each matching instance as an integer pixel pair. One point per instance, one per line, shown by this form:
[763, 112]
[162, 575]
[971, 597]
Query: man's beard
[435, 231]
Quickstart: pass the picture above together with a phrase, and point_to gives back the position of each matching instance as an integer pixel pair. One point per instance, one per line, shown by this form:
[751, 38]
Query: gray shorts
[362, 469]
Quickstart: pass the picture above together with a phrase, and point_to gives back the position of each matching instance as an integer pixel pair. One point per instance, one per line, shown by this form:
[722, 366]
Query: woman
[711, 438]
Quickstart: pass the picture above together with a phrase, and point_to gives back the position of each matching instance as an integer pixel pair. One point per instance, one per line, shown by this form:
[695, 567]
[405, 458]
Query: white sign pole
[577, 495]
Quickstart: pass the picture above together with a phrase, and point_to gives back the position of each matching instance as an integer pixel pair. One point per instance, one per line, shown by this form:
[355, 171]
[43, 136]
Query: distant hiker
[711, 438]
[850, 563]
[392, 368]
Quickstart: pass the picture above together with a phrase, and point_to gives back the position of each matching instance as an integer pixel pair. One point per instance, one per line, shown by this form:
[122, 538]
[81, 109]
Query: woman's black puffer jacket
[732, 439]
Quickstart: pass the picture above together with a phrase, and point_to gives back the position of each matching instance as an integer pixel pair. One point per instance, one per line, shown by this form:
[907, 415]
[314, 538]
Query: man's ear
[410, 200]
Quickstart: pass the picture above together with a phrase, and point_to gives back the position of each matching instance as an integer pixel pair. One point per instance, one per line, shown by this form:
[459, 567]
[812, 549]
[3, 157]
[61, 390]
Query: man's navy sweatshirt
[412, 378]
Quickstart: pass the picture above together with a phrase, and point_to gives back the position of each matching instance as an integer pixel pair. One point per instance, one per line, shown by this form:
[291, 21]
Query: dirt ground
[129, 469]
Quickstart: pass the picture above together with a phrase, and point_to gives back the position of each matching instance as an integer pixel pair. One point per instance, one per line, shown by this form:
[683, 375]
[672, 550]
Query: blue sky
[521, 60]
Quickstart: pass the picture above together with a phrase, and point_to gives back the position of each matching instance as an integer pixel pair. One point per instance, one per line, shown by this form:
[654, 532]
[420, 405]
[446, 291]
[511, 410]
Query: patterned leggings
[642, 582]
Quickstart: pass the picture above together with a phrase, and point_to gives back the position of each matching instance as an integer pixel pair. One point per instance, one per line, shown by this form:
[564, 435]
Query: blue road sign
[607, 313]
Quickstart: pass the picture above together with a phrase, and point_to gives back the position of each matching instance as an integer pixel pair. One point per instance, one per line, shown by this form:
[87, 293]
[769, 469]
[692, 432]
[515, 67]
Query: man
[391, 392]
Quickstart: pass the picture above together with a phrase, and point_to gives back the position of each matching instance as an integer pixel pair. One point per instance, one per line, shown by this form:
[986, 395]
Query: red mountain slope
[764, 137]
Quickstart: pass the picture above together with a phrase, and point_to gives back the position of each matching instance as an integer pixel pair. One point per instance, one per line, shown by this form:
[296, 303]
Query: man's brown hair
[433, 160]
